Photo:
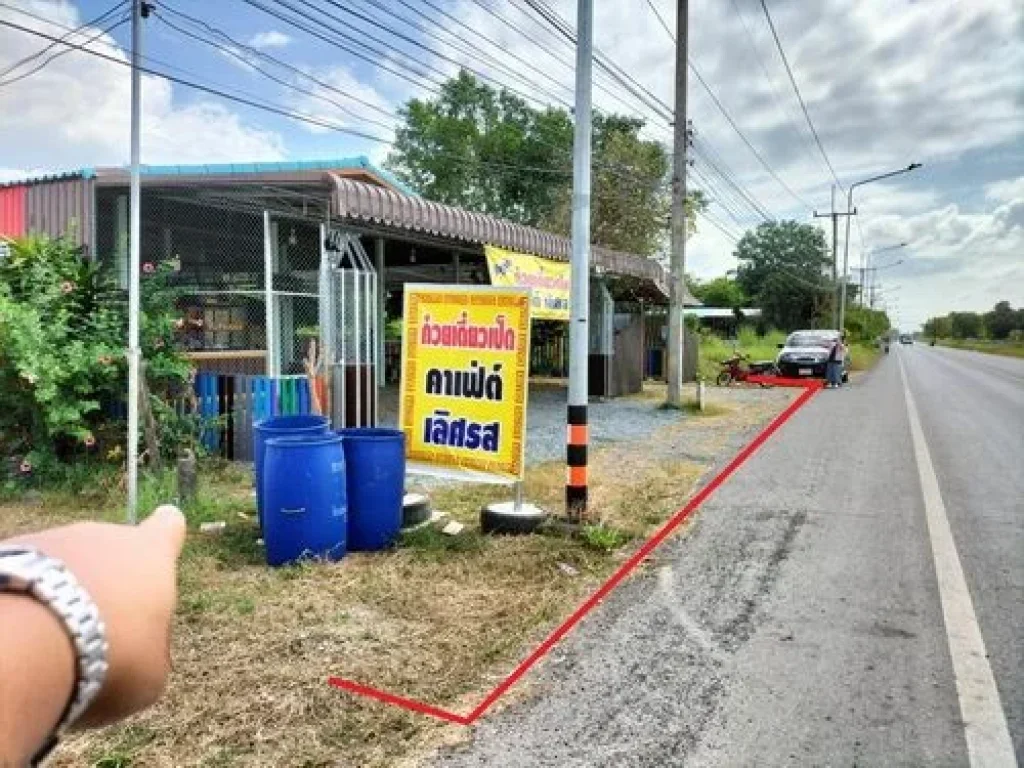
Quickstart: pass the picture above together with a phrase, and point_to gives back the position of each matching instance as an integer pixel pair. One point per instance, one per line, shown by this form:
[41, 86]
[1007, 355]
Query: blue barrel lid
[299, 441]
[371, 433]
[288, 423]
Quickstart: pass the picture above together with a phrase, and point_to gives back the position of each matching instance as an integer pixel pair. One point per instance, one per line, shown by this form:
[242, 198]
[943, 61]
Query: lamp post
[846, 245]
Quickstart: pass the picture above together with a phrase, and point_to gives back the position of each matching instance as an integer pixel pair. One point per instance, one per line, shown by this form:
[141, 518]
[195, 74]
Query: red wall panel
[12, 210]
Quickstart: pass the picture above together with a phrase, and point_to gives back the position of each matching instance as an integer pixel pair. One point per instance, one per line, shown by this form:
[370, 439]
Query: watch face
[14, 569]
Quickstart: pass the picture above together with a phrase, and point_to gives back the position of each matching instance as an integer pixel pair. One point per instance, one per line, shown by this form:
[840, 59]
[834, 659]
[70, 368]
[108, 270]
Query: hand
[130, 572]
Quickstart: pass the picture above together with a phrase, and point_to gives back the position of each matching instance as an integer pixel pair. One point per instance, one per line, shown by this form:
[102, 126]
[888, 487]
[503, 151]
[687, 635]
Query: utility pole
[677, 278]
[834, 215]
[579, 303]
[140, 10]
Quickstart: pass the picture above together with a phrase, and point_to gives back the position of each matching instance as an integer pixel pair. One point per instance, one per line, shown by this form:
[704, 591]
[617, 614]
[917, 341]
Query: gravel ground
[620, 420]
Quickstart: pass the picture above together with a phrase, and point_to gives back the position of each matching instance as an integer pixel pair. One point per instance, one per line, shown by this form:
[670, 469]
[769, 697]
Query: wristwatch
[27, 571]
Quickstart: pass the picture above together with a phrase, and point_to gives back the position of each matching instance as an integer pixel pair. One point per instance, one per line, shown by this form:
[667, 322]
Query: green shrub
[63, 330]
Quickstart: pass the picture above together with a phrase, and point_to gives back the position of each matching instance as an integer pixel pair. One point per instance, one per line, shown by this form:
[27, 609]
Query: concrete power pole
[677, 278]
[834, 215]
[579, 303]
[139, 11]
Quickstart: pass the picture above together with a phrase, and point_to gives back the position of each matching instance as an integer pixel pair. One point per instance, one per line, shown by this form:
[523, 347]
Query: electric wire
[725, 113]
[799, 96]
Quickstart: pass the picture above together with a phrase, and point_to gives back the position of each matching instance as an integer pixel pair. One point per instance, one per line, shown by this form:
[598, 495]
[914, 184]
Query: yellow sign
[465, 362]
[548, 280]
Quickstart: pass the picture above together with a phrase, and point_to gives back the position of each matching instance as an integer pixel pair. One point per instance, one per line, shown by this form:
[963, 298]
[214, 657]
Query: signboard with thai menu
[547, 280]
[465, 364]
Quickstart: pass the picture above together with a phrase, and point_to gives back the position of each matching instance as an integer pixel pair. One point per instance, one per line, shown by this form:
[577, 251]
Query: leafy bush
[63, 326]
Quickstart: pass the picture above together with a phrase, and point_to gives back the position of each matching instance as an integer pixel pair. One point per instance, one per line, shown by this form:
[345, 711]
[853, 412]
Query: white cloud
[339, 98]
[272, 39]
[75, 111]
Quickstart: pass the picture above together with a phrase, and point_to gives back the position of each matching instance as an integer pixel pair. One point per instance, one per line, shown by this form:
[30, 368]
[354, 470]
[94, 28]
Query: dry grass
[440, 618]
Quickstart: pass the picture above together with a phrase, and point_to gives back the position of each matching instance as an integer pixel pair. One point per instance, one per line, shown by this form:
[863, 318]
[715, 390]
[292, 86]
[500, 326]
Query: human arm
[130, 573]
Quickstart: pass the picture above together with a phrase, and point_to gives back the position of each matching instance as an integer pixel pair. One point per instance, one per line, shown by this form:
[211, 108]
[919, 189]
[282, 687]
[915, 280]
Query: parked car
[906, 338]
[805, 354]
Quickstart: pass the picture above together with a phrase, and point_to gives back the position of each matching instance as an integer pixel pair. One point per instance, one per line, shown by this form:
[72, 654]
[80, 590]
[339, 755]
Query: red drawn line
[810, 389]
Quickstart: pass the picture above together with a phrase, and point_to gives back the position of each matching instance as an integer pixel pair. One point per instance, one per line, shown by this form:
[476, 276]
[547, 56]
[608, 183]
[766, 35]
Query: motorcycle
[740, 368]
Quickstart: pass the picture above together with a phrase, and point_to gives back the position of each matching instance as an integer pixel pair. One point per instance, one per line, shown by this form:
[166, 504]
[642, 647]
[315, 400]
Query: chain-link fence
[221, 246]
[244, 266]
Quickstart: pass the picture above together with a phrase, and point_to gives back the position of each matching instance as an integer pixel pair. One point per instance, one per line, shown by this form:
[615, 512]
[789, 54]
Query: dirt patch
[439, 618]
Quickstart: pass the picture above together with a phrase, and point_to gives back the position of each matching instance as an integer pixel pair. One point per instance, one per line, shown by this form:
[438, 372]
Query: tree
[1001, 320]
[938, 328]
[487, 150]
[965, 325]
[719, 292]
[782, 268]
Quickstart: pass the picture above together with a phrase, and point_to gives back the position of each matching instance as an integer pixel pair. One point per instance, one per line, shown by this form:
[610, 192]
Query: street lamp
[846, 245]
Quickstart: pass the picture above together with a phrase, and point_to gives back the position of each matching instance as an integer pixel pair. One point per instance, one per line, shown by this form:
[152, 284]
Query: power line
[725, 112]
[617, 73]
[489, 59]
[256, 103]
[92, 23]
[796, 89]
[376, 57]
[565, 62]
[100, 33]
[786, 114]
[365, 19]
[227, 50]
[704, 151]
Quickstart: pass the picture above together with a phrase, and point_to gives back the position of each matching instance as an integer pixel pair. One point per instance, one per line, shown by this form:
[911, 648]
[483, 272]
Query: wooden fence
[231, 404]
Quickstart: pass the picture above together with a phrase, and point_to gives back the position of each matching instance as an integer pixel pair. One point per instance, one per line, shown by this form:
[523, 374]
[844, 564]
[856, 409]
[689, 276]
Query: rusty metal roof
[357, 201]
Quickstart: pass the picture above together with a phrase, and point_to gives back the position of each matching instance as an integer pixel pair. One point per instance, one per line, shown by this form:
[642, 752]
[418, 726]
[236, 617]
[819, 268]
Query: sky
[886, 83]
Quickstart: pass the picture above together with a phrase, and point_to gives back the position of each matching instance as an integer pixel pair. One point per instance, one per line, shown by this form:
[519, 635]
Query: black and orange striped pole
[579, 300]
[576, 459]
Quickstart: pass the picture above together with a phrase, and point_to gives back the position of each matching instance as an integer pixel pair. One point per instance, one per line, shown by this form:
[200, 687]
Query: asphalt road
[799, 620]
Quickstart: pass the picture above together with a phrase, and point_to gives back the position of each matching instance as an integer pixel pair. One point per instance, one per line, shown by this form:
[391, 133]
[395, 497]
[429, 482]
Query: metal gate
[350, 328]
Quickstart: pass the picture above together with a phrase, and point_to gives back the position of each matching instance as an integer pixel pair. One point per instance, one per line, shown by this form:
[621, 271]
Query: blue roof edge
[343, 163]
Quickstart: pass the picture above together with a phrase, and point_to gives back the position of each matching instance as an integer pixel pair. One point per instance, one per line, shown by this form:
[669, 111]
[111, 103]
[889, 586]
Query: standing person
[834, 366]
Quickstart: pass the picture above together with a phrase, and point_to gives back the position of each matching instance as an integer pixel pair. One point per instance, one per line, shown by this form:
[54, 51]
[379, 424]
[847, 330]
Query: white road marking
[985, 729]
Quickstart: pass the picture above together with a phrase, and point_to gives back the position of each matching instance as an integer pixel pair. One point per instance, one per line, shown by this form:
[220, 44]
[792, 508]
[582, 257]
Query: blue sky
[886, 82]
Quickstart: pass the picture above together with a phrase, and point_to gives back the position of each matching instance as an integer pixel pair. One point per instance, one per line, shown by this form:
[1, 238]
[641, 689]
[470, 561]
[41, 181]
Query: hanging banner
[548, 280]
[465, 363]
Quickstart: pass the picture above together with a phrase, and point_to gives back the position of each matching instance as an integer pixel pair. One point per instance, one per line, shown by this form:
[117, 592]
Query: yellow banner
[548, 280]
[465, 362]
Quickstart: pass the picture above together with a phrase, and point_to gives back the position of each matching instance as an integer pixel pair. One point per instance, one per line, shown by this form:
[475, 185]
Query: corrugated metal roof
[80, 173]
[355, 200]
[360, 162]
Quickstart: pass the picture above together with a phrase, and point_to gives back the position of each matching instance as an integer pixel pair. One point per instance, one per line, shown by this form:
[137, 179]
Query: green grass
[863, 355]
[713, 350]
[1003, 348]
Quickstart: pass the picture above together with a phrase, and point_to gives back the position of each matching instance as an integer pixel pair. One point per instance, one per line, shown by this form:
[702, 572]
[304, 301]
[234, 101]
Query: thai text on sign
[465, 363]
[547, 280]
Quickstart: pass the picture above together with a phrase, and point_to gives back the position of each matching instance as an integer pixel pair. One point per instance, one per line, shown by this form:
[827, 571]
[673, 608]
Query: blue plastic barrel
[304, 493]
[279, 426]
[375, 462]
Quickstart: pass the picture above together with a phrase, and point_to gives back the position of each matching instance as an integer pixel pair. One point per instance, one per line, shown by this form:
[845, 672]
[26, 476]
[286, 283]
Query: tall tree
[965, 325]
[1001, 320]
[489, 151]
[719, 292]
[782, 268]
